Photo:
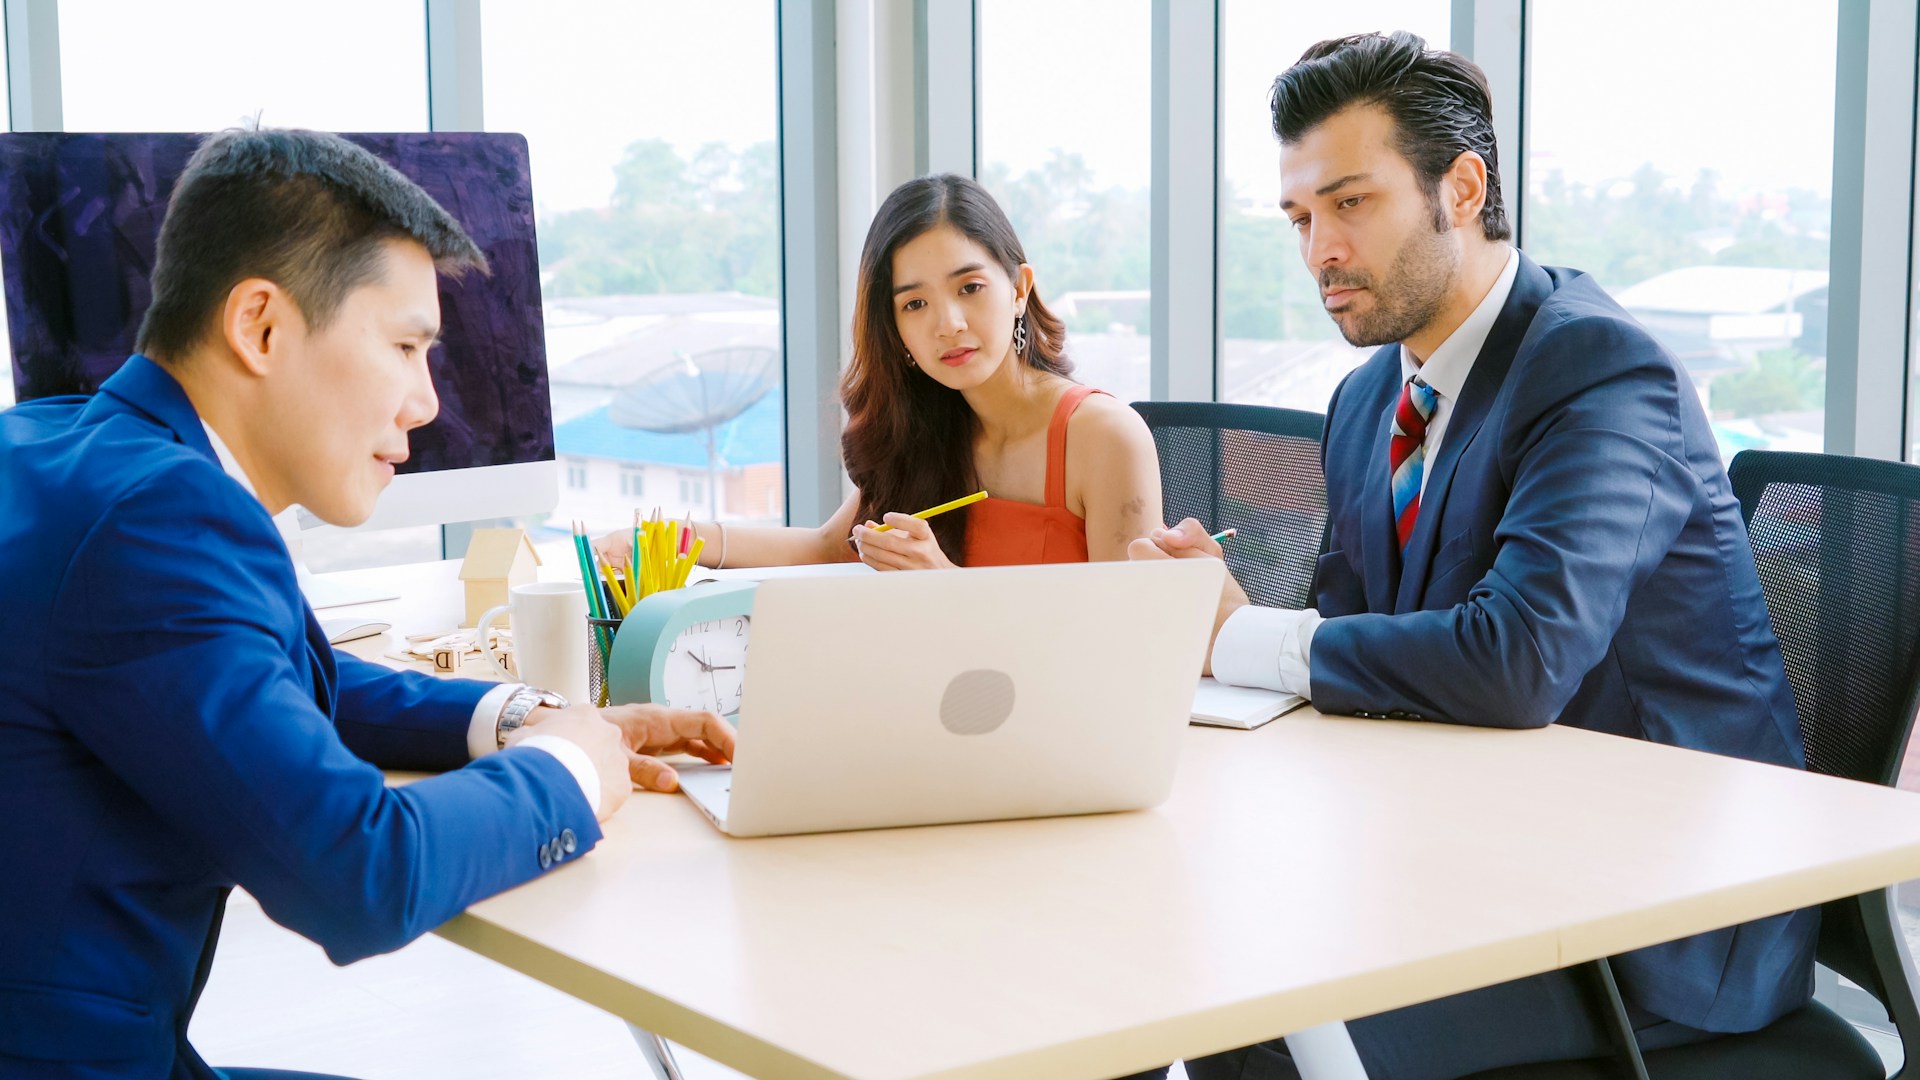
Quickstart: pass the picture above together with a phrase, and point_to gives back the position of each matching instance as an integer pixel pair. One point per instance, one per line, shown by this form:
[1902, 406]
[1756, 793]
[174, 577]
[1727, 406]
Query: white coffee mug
[549, 636]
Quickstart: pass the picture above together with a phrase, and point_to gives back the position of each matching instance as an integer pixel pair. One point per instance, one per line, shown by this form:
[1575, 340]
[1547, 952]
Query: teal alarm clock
[685, 648]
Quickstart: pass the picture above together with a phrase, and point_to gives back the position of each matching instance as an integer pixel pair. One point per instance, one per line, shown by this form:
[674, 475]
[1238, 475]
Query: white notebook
[768, 573]
[1246, 708]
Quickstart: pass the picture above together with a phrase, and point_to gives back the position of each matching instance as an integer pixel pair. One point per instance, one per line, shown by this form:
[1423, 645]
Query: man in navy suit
[1530, 525]
[176, 722]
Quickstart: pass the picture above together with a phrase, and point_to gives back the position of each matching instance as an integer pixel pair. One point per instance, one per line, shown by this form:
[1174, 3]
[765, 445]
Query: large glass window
[201, 65]
[656, 185]
[1691, 172]
[1066, 139]
[1278, 345]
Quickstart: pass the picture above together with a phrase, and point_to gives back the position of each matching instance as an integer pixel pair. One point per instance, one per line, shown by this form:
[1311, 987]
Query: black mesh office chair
[1251, 468]
[1837, 543]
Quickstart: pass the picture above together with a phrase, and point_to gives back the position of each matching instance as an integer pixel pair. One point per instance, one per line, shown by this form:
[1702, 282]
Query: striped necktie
[1407, 453]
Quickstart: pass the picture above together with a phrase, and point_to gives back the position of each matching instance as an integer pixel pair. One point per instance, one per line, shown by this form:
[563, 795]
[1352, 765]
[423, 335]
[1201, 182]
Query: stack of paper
[1220, 705]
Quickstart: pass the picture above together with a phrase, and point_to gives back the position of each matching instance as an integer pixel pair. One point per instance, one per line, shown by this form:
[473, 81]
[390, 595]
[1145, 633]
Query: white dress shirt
[481, 731]
[1272, 647]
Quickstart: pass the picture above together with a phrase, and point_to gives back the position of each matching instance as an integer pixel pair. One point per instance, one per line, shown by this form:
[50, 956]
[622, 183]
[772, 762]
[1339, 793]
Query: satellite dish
[698, 392]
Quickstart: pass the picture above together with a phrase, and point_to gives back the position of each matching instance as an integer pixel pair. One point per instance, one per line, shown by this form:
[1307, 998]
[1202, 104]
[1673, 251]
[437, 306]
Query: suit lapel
[1380, 544]
[1531, 286]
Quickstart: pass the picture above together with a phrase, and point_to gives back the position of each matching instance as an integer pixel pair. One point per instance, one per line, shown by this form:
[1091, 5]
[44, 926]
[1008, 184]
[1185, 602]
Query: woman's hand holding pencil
[903, 542]
[906, 541]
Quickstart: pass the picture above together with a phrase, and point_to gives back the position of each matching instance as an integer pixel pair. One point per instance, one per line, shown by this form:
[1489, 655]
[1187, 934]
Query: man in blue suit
[176, 722]
[1530, 525]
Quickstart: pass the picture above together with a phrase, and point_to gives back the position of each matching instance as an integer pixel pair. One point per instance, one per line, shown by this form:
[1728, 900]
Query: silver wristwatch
[519, 704]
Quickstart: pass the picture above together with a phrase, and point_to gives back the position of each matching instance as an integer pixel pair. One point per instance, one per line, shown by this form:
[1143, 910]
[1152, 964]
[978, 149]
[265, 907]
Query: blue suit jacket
[175, 723]
[1579, 558]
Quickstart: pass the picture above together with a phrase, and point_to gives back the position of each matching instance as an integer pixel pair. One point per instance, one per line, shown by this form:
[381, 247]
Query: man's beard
[1415, 289]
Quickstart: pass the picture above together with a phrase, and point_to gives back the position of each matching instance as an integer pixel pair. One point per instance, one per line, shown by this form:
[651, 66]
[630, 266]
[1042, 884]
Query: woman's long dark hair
[909, 440]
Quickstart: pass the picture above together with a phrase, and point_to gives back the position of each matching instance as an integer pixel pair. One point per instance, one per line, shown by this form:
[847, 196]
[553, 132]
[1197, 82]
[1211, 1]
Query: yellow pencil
[943, 508]
[693, 558]
[620, 601]
[662, 537]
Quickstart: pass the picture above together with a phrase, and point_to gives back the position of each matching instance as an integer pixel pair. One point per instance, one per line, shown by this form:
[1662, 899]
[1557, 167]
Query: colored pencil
[693, 559]
[942, 508]
[602, 642]
[1224, 534]
[632, 567]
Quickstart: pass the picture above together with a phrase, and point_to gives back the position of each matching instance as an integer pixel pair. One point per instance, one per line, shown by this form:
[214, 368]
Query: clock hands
[704, 666]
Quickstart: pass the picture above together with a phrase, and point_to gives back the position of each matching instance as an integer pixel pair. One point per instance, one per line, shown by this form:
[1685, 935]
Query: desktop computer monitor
[79, 219]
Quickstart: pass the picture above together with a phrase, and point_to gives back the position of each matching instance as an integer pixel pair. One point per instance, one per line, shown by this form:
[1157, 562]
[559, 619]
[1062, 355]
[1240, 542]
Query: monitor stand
[323, 591]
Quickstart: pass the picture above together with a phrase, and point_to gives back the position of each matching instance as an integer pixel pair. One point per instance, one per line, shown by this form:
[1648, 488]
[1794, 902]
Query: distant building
[598, 345]
[1718, 320]
[1728, 315]
[608, 471]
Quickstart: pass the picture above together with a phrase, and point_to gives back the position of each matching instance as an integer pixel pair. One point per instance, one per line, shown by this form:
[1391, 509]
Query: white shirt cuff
[574, 758]
[1268, 648]
[483, 734]
[483, 738]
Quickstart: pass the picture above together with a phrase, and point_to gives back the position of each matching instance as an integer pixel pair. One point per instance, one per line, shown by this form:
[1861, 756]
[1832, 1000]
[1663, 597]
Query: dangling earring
[1020, 335]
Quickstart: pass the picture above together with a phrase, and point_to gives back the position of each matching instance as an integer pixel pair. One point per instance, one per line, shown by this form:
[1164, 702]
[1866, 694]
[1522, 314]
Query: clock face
[706, 666]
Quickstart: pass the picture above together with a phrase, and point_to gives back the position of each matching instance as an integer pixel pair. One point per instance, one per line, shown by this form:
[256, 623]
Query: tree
[1076, 237]
[673, 225]
[1629, 230]
[1784, 380]
[1266, 292]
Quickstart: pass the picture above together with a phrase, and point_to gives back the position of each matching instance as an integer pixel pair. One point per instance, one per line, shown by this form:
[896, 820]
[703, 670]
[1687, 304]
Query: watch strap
[520, 704]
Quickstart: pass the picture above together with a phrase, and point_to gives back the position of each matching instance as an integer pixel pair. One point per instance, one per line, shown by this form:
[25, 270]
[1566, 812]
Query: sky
[581, 79]
[1744, 88]
[689, 73]
[361, 65]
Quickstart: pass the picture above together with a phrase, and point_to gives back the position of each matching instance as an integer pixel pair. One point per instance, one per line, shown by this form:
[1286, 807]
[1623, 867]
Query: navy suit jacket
[175, 723]
[1579, 558]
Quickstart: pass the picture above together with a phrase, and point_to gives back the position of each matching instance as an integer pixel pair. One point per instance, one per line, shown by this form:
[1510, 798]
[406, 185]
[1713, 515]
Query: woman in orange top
[959, 381]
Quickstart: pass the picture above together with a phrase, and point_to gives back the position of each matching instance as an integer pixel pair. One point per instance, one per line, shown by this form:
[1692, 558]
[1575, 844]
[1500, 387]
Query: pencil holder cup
[599, 648]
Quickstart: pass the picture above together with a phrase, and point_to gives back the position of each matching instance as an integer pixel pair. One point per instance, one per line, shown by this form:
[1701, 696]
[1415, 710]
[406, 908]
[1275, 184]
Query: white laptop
[962, 695]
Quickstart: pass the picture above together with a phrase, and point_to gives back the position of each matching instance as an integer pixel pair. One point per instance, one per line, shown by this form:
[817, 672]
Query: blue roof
[755, 437]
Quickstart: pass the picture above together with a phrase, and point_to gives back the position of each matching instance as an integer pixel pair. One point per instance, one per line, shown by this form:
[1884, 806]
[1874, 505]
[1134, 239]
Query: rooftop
[756, 436]
[1722, 290]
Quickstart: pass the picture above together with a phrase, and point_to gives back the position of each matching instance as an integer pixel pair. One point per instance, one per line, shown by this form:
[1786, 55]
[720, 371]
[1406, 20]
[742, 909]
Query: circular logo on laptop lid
[976, 702]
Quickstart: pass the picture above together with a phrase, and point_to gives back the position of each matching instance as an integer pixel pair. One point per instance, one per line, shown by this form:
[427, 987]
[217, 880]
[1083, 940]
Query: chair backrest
[1251, 468]
[1837, 543]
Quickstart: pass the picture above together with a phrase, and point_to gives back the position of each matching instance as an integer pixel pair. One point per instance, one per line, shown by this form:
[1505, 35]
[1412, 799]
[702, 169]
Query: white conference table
[1312, 871]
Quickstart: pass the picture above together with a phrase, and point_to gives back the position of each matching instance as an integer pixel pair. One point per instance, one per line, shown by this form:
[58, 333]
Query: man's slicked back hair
[1439, 102]
[306, 210]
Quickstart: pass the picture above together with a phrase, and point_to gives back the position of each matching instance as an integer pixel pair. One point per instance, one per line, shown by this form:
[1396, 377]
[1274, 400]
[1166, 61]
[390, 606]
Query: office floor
[432, 1011]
